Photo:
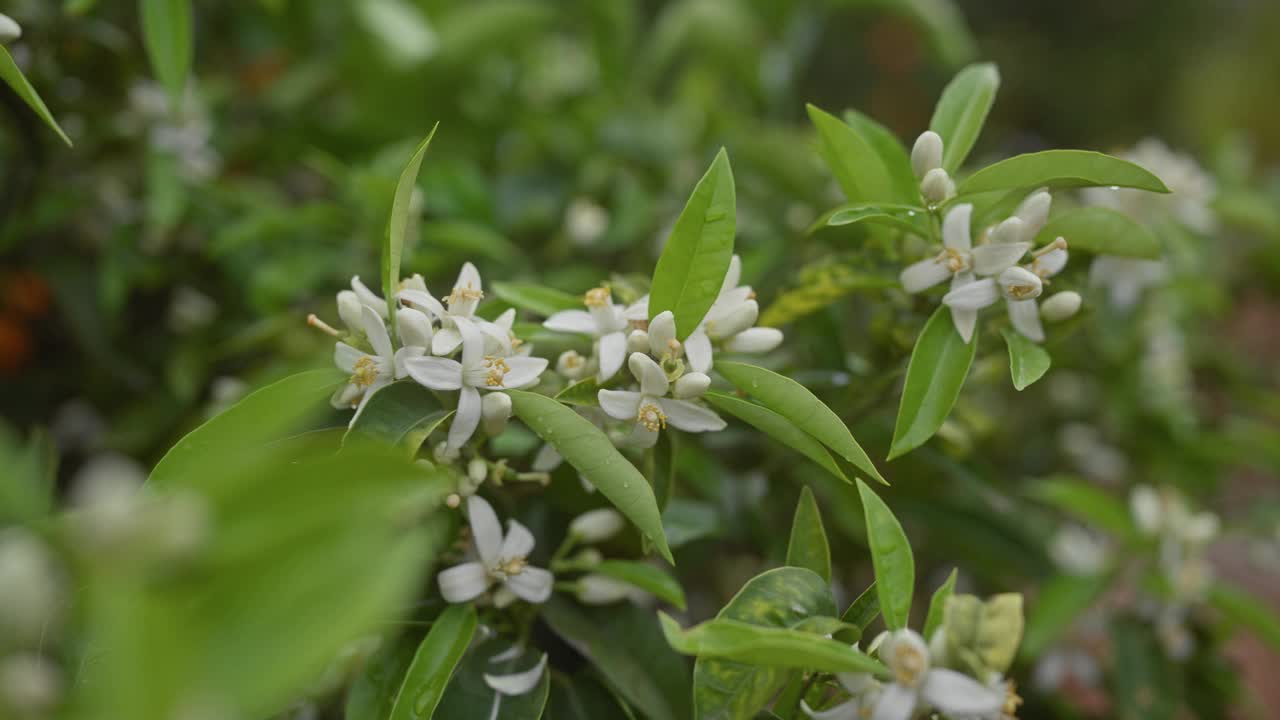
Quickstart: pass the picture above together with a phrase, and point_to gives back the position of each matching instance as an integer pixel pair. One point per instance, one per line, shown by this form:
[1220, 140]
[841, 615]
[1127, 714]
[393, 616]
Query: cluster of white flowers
[983, 275]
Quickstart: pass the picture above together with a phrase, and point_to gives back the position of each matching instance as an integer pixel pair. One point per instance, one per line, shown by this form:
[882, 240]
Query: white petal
[1012, 230]
[1025, 316]
[1034, 212]
[435, 372]
[506, 320]
[620, 404]
[973, 296]
[733, 276]
[404, 354]
[485, 530]
[727, 302]
[533, 584]
[955, 227]
[638, 310]
[755, 340]
[424, 300]
[697, 348]
[414, 327]
[376, 331]
[690, 417]
[445, 341]
[965, 321]
[518, 543]
[345, 357]
[1050, 263]
[926, 153]
[547, 459]
[662, 333]
[653, 381]
[466, 418]
[496, 339]
[469, 277]
[991, 258]
[524, 372]
[571, 321]
[368, 297]
[463, 582]
[345, 396]
[896, 703]
[472, 343]
[959, 695]
[691, 385]
[923, 275]
[517, 683]
[642, 437]
[850, 710]
[611, 350]
[503, 597]
[1019, 283]
[741, 317]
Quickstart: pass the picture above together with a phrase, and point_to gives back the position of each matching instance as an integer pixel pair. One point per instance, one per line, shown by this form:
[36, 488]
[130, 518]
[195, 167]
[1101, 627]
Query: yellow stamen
[461, 294]
[498, 369]
[955, 260]
[908, 665]
[597, 297]
[1023, 292]
[365, 372]
[513, 566]
[651, 417]
[1011, 702]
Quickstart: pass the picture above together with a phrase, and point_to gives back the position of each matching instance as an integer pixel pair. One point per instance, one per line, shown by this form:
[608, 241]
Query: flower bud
[1019, 283]
[10, 30]
[571, 365]
[444, 454]
[691, 385]
[1009, 231]
[937, 186]
[350, 309]
[597, 525]
[597, 589]
[637, 341]
[477, 471]
[662, 336]
[926, 154]
[740, 318]
[1060, 306]
[30, 685]
[495, 409]
[30, 589]
[755, 340]
[414, 327]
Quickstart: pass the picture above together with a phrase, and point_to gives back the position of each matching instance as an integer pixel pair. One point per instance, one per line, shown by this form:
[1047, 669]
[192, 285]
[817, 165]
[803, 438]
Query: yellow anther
[909, 665]
[1024, 292]
[651, 417]
[365, 372]
[498, 369]
[461, 294]
[955, 260]
[597, 297]
[1011, 702]
[513, 566]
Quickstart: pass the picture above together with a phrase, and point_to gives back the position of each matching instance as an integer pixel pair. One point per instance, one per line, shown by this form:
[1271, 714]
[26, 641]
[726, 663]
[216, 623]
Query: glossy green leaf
[794, 402]
[14, 78]
[938, 604]
[687, 521]
[467, 694]
[937, 370]
[1028, 362]
[892, 558]
[1059, 603]
[763, 646]
[863, 610]
[536, 299]
[403, 413]
[662, 468]
[893, 156]
[589, 450]
[434, 663]
[1145, 686]
[1102, 231]
[167, 28]
[582, 697]
[646, 577]
[1061, 169]
[398, 224]
[777, 427]
[853, 161]
[373, 693]
[808, 546]
[780, 598]
[1247, 611]
[907, 218]
[585, 393]
[962, 111]
[696, 257]
[1085, 502]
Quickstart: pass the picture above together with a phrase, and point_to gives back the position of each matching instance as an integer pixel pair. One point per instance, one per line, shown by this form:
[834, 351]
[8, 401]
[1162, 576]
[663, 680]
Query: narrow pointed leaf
[589, 450]
[1028, 362]
[434, 663]
[403, 413]
[14, 78]
[167, 29]
[585, 393]
[891, 556]
[808, 547]
[907, 218]
[938, 605]
[398, 223]
[794, 402]
[696, 257]
[863, 610]
[1061, 169]
[777, 427]
[893, 156]
[962, 111]
[937, 370]
[1102, 231]
[853, 161]
[764, 646]
[535, 298]
[1085, 502]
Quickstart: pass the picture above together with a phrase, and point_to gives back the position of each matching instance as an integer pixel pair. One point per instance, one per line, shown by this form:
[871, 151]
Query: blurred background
[162, 267]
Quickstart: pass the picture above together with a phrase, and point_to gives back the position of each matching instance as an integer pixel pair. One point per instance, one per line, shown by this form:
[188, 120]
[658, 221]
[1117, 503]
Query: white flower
[9, 29]
[1124, 279]
[650, 410]
[915, 682]
[602, 320]
[571, 365]
[368, 372]
[459, 305]
[1018, 285]
[368, 297]
[596, 525]
[503, 560]
[476, 371]
[961, 262]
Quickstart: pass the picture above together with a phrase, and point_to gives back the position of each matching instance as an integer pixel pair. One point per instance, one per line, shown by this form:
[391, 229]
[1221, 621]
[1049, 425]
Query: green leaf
[687, 521]
[808, 545]
[374, 690]
[662, 467]
[937, 370]
[398, 224]
[589, 450]
[938, 604]
[644, 576]
[1059, 603]
[625, 644]
[468, 695]
[853, 161]
[893, 156]
[584, 393]
[1144, 678]
[696, 257]
[403, 413]
[764, 646]
[863, 610]
[907, 218]
[167, 29]
[1028, 362]
[891, 556]
[14, 78]
[794, 402]
[1085, 502]
[962, 111]
[536, 299]
[779, 598]
[1061, 169]
[777, 427]
[1241, 608]
[1102, 231]
[434, 663]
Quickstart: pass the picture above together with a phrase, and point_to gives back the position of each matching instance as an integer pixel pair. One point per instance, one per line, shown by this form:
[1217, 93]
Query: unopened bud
[926, 154]
[637, 341]
[937, 186]
[10, 30]
[1034, 211]
[477, 471]
[740, 318]
[596, 525]
[691, 385]
[495, 410]
[1060, 306]
[587, 558]
[351, 310]
[30, 685]
[30, 589]
[597, 589]
[571, 365]
[414, 327]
